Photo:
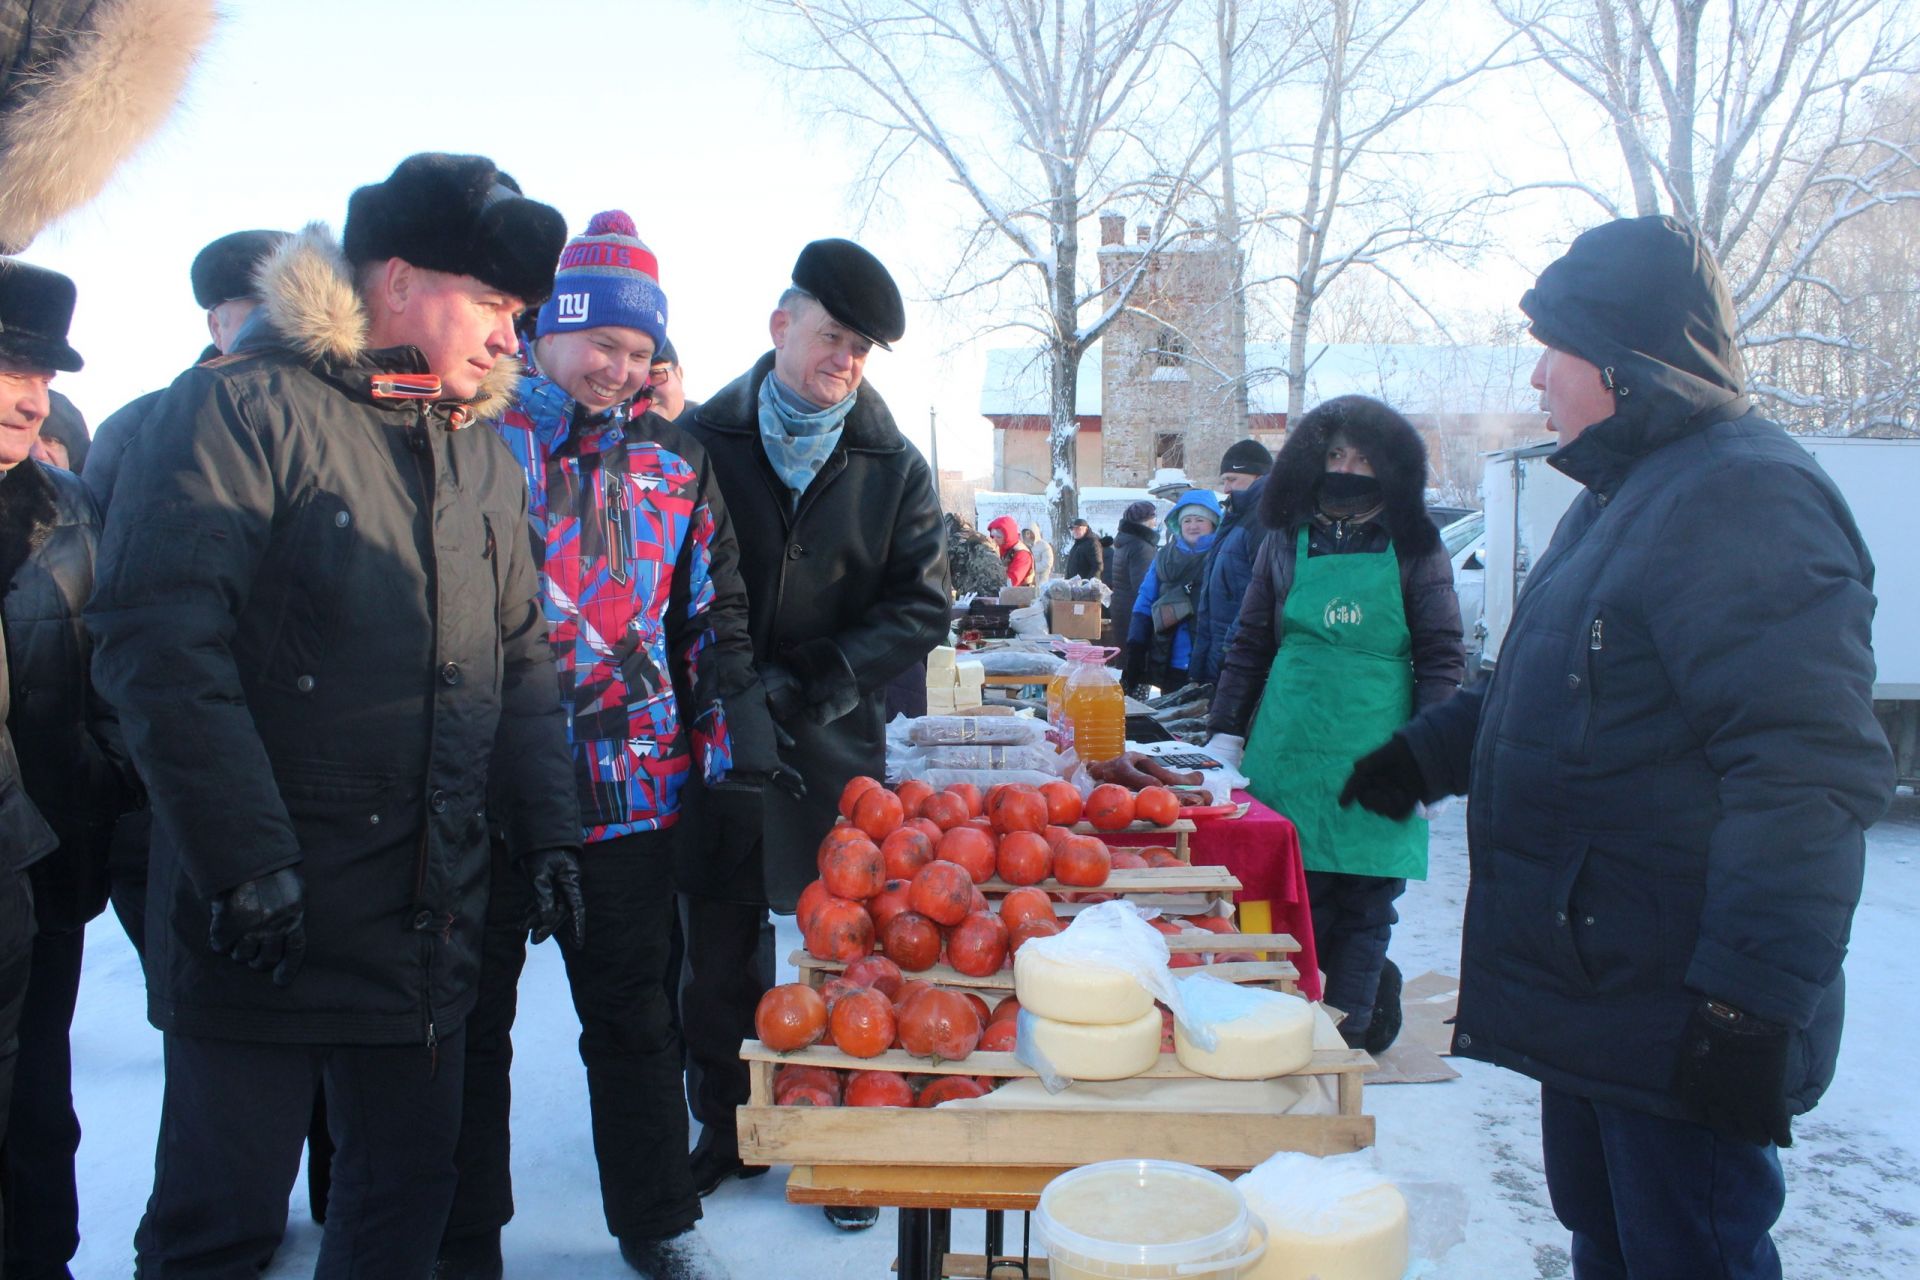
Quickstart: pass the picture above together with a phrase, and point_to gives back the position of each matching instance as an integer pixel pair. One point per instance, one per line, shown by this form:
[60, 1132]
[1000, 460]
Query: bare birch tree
[1373, 72]
[1755, 122]
[1043, 112]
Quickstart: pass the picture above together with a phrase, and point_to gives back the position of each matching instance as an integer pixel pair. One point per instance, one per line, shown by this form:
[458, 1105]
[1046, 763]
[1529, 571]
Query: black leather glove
[1387, 782]
[786, 777]
[1733, 1071]
[262, 924]
[1133, 672]
[555, 875]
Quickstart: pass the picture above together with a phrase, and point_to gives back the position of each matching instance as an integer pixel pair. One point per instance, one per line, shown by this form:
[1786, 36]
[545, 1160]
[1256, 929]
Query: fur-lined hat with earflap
[1392, 446]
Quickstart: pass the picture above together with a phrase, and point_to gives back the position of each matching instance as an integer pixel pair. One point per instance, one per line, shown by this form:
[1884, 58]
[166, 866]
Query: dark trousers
[1648, 1198]
[231, 1125]
[1353, 919]
[16, 960]
[42, 1132]
[627, 1042]
[727, 967]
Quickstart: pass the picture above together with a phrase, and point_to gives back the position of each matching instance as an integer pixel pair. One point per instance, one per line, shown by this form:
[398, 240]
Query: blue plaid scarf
[798, 437]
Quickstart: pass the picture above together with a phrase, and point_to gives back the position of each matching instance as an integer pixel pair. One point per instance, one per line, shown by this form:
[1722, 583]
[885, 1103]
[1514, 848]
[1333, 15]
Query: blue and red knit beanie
[606, 277]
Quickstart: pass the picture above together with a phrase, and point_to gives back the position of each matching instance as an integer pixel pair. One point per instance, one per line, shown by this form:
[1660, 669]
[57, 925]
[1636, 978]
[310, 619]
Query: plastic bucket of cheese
[1146, 1220]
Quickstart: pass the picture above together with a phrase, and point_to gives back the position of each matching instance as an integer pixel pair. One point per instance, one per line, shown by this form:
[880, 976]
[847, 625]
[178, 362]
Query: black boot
[715, 1159]
[1387, 1014]
[851, 1217]
[681, 1257]
[474, 1257]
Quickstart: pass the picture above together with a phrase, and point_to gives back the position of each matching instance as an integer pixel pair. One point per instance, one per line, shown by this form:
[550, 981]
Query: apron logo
[1343, 613]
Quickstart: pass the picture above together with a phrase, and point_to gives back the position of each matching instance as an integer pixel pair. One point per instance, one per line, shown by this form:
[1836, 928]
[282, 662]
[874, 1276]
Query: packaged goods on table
[1327, 1218]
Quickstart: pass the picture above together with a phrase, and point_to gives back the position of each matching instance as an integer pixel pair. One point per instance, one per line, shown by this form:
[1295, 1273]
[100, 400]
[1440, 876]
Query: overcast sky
[656, 106]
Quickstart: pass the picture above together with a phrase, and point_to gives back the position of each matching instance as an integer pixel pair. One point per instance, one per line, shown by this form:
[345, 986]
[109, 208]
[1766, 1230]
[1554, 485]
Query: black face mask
[1345, 489]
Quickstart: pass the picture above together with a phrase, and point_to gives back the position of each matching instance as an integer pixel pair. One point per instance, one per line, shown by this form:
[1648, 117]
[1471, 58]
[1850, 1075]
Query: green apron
[1342, 682]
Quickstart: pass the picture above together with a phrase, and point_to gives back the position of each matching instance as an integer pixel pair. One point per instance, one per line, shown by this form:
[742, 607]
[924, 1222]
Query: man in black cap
[1671, 773]
[67, 771]
[319, 619]
[1083, 556]
[842, 549]
[223, 286]
[1223, 583]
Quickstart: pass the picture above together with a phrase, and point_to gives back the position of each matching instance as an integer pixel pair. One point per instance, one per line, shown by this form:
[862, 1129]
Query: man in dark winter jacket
[70, 770]
[1671, 772]
[842, 549]
[222, 275]
[1223, 583]
[1083, 554]
[319, 619]
[973, 564]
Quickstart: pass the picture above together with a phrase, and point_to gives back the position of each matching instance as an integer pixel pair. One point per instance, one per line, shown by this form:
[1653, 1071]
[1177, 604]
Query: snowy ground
[1853, 1175]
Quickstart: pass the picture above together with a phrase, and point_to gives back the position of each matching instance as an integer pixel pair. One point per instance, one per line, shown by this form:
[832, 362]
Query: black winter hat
[1247, 457]
[224, 269]
[665, 354]
[461, 215]
[855, 289]
[36, 309]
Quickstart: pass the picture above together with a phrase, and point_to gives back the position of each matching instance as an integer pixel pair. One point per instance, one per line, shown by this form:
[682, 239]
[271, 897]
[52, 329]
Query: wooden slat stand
[982, 1158]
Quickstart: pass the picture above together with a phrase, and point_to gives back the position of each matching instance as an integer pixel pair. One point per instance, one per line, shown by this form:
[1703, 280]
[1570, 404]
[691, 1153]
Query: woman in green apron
[1349, 626]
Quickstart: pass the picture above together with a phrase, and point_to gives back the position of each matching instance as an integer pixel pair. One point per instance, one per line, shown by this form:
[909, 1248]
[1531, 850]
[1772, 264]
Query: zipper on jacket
[1595, 643]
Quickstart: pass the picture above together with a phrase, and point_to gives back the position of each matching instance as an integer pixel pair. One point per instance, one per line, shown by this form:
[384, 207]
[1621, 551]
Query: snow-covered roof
[1417, 379]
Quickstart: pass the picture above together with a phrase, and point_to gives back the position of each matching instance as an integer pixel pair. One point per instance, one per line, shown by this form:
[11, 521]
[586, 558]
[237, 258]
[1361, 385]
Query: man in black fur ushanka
[319, 618]
[1670, 775]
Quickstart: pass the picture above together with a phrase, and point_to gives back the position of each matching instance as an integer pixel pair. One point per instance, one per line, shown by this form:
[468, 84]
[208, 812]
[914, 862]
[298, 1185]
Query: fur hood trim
[73, 116]
[1395, 449]
[308, 296]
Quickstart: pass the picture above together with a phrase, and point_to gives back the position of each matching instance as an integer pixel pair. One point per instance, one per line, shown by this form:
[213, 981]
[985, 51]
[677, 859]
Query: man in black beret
[318, 616]
[843, 552]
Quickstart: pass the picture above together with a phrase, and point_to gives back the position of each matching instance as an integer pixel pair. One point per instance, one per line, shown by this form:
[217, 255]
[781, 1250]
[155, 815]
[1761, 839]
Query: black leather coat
[71, 761]
[846, 589]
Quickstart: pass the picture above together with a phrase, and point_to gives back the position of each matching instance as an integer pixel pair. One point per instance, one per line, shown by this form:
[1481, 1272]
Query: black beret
[224, 269]
[36, 308]
[461, 215]
[854, 288]
[665, 354]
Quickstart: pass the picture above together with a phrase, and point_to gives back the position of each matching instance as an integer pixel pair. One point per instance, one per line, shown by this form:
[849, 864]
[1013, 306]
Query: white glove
[1227, 748]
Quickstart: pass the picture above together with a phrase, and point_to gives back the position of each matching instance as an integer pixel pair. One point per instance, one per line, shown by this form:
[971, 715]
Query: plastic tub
[1147, 1220]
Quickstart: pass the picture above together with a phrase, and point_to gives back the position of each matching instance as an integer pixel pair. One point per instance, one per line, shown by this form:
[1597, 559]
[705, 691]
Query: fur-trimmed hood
[1399, 459]
[82, 84]
[309, 305]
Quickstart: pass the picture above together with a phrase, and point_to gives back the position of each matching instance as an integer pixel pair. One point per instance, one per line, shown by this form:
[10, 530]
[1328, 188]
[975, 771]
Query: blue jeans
[1648, 1198]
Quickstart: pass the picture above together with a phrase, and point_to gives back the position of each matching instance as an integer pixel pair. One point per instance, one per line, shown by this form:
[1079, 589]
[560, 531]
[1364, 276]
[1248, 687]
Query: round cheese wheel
[1274, 1038]
[1087, 1052]
[1066, 992]
[1365, 1238]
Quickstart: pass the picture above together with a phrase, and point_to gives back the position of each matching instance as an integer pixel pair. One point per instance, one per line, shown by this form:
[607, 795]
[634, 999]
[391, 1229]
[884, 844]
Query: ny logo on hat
[571, 308]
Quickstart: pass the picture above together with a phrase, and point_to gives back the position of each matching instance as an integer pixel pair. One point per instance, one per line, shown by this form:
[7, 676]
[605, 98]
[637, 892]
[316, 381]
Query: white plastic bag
[1110, 935]
[1299, 1194]
[941, 779]
[976, 755]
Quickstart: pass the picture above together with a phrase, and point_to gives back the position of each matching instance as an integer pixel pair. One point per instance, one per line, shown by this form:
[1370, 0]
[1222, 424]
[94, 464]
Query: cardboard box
[1075, 619]
[1018, 597]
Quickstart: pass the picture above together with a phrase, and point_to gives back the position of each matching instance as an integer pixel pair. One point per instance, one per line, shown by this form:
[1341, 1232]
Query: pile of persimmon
[798, 1085]
[901, 874]
[870, 1009]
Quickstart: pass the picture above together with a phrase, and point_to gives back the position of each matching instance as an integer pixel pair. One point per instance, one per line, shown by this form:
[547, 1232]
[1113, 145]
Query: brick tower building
[1168, 365]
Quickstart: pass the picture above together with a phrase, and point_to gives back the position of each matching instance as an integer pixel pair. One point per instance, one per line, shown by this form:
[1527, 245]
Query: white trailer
[1880, 479]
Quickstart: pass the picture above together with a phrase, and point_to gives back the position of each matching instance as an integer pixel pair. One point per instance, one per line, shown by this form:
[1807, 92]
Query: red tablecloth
[1262, 850]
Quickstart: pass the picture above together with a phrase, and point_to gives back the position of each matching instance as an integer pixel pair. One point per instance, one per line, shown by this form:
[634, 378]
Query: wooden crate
[1042, 1141]
[1181, 829]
